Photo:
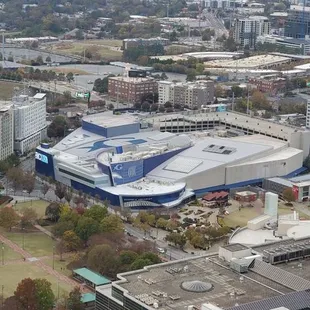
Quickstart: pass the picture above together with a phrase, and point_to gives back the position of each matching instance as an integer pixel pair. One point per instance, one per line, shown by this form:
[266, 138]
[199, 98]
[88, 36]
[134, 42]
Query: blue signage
[41, 157]
[126, 172]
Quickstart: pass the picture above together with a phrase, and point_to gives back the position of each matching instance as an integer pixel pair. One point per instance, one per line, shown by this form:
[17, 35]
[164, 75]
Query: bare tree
[44, 189]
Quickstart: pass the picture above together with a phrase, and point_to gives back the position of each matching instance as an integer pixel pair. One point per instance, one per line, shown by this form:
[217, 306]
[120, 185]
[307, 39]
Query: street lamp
[23, 229]
[2, 253]
[53, 257]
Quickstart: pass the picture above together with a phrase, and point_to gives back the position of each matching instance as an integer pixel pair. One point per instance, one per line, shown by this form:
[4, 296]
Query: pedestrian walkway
[45, 231]
[41, 264]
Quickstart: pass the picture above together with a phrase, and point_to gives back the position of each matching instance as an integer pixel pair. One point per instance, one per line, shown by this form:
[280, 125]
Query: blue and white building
[124, 159]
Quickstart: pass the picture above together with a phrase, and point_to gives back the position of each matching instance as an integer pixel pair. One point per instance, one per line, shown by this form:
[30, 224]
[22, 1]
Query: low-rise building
[130, 89]
[192, 94]
[269, 84]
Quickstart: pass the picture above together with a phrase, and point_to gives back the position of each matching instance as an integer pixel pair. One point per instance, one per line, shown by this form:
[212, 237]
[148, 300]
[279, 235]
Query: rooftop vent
[196, 286]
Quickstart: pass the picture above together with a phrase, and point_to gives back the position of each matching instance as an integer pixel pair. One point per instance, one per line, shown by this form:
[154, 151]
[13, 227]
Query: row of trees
[20, 179]
[37, 294]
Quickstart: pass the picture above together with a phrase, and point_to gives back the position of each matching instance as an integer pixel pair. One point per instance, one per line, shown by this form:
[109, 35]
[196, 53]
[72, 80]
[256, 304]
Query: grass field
[60, 266]
[36, 243]
[98, 51]
[67, 70]
[8, 254]
[14, 273]
[112, 43]
[7, 89]
[38, 205]
[241, 218]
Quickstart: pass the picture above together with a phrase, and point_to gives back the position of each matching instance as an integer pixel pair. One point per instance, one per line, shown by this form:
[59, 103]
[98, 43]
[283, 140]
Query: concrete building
[191, 94]
[6, 132]
[133, 161]
[246, 30]
[308, 115]
[249, 281]
[269, 84]
[301, 46]
[298, 22]
[129, 89]
[29, 121]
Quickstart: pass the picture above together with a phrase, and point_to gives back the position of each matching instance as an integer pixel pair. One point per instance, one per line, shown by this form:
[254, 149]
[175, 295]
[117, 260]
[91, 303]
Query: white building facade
[191, 94]
[30, 122]
[246, 30]
[6, 132]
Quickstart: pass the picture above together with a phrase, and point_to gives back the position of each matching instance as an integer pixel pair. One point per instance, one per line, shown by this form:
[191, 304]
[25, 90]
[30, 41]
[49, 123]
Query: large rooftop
[163, 283]
[261, 61]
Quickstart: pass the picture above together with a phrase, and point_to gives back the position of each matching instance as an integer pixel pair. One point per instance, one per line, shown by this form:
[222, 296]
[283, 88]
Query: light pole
[2, 253]
[23, 229]
[53, 257]
[2, 289]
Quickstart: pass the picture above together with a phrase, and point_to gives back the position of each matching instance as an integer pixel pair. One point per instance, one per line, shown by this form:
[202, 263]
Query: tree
[110, 106]
[67, 96]
[29, 182]
[230, 44]
[45, 188]
[161, 109]
[96, 212]
[44, 295]
[260, 101]
[15, 176]
[8, 218]
[112, 223]
[61, 227]
[164, 76]
[86, 227]
[29, 216]
[168, 104]
[127, 257]
[48, 59]
[206, 37]
[288, 195]
[70, 77]
[57, 127]
[25, 295]
[191, 75]
[161, 223]
[140, 263]
[39, 60]
[152, 257]
[176, 238]
[68, 196]
[145, 107]
[60, 190]
[74, 301]
[237, 90]
[102, 258]
[71, 241]
[52, 211]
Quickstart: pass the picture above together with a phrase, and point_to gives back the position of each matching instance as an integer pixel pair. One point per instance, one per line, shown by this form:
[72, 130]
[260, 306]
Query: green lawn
[12, 274]
[36, 243]
[241, 218]
[8, 254]
[38, 205]
[60, 266]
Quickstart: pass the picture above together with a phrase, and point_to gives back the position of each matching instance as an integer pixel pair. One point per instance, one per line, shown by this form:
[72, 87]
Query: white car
[161, 250]
[90, 82]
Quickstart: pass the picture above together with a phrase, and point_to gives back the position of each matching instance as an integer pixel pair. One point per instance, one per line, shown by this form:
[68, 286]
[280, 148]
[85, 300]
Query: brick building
[128, 89]
[269, 85]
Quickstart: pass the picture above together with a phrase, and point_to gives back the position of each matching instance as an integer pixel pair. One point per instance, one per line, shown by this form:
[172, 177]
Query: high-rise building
[128, 89]
[29, 121]
[298, 22]
[246, 30]
[6, 132]
[308, 114]
[192, 94]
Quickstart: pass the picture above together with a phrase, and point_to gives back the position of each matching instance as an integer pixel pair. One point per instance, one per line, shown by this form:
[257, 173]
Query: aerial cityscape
[155, 155]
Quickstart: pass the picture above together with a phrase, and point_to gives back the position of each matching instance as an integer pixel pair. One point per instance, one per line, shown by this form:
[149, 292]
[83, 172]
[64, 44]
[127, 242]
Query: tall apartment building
[130, 89]
[6, 132]
[246, 30]
[298, 22]
[29, 121]
[192, 94]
